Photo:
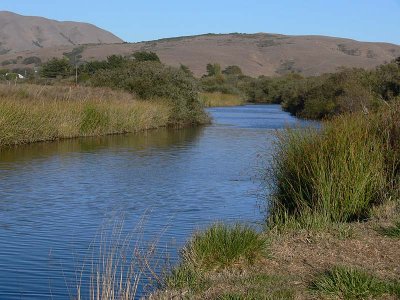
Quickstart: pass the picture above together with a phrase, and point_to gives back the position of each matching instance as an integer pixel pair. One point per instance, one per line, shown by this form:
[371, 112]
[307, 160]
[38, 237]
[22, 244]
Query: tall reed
[336, 173]
[121, 266]
[32, 113]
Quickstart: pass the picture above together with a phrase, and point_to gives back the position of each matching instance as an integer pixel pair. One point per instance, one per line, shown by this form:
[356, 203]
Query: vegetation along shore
[119, 95]
[332, 229]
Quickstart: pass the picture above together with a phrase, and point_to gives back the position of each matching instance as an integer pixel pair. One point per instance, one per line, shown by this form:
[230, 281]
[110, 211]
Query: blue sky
[366, 20]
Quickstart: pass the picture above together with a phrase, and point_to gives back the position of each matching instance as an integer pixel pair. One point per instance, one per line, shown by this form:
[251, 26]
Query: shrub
[213, 69]
[150, 80]
[232, 70]
[146, 56]
[56, 68]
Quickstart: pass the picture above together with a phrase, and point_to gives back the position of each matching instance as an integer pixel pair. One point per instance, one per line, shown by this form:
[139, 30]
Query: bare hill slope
[257, 54]
[18, 33]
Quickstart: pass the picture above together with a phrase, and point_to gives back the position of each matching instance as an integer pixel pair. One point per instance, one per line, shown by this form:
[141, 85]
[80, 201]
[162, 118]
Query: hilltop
[26, 41]
[19, 33]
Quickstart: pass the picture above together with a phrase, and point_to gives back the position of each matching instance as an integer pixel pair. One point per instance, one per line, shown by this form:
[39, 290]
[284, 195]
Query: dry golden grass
[30, 113]
[122, 265]
[219, 99]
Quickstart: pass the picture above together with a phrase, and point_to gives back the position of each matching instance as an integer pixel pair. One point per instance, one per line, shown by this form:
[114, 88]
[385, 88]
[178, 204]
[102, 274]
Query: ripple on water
[55, 197]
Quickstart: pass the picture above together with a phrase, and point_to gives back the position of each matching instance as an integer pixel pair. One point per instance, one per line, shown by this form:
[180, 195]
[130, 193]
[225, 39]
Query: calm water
[54, 197]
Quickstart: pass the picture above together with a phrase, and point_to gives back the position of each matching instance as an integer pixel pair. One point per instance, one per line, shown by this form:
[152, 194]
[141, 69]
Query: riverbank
[220, 100]
[33, 113]
[348, 261]
[333, 227]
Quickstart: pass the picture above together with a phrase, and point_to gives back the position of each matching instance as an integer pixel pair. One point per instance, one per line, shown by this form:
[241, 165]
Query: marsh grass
[350, 283]
[337, 173]
[222, 246]
[219, 99]
[30, 113]
[214, 249]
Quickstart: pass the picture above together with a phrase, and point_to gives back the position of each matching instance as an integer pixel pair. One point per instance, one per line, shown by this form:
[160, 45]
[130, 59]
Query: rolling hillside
[18, 33]
[27, 41]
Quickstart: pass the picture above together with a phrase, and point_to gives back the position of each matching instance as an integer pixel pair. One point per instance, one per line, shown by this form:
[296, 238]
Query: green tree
[115, 61]
[145, 56]
[213, 69]
[186, 70]
[232, 70]
[3, 72]
[56, 68]
[11, 76]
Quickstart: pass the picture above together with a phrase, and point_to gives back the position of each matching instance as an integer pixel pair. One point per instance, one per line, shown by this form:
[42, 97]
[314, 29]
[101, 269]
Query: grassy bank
[336, 174]
[333, 230]
[347, 261]
[219, 99]
[31, 113]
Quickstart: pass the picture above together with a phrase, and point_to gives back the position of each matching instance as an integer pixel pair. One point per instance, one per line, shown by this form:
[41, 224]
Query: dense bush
[315, 97]
[318, 97]
[213, 69]
[112, 62]
[149, 80]
[55, 68]
[145, 56]
[232, 70]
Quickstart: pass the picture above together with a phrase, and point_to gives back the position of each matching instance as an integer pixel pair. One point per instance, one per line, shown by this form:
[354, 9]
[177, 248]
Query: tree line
[315, 97]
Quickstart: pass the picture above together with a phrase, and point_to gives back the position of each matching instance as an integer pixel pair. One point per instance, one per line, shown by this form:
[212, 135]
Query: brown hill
[18, 33]
[257, 54]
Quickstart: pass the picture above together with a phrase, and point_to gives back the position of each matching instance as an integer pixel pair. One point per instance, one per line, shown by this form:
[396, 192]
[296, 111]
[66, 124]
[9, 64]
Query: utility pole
[76, 71]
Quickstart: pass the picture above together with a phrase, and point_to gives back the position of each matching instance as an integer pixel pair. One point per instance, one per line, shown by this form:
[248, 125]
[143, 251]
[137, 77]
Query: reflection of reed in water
[158, 138]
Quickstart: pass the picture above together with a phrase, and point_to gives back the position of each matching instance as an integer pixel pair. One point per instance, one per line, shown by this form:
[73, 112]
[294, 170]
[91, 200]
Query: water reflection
[55, 196]
[159, 138]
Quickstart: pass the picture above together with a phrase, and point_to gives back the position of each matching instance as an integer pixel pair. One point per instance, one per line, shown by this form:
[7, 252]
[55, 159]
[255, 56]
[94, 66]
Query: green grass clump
[350, 283]
[222, 246]
[392, 231]
[335, 174]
